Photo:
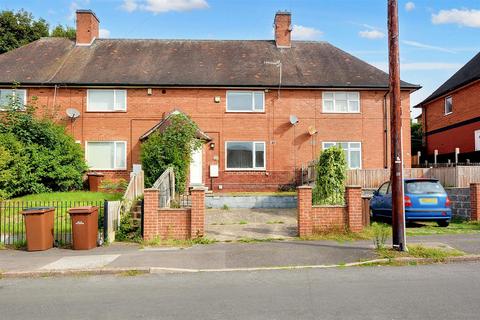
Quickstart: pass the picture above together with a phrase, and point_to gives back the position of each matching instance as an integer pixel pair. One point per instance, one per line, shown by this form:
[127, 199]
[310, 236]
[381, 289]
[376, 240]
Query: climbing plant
[331, 176]
[171, 147]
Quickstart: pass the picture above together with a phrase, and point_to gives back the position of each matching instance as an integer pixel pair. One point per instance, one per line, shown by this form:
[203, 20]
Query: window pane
[120, 159]
[340, 96]
[100, 100]
[240, 155]
[327, 145]
[328, 105]
[341, 105]
[5, 97]
[328, 95]
[354, 159]
[100, 155]
[344, 145]
[9, 96]
[448, 105]
[259, 155]
[353, 96]
[353, 106]
[239, 101]
[355, 145]
[259, 105]
[121, 101]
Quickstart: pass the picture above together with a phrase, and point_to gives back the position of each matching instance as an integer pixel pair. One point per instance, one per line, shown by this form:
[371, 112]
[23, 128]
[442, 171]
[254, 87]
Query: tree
[416, 137]
[36, 154]
[172, 147]
[64, 32]
[20, 28]
[331, 176]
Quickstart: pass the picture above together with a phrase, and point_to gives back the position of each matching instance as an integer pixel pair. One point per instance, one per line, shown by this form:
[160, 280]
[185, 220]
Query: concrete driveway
[235, 224]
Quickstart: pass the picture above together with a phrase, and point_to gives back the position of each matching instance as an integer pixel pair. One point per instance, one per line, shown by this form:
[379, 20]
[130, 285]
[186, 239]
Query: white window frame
[115, 109]
[254, 156]
[335, 143]
[13, 92]
[114, 154]
[333, 101]
[253, 101]
[445, 105]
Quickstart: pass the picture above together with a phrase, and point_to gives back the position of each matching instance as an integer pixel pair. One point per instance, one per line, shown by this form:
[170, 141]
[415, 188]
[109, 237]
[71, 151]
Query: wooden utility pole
[396, 176]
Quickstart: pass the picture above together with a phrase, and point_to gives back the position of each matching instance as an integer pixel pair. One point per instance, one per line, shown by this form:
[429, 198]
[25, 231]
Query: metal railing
[12, 223]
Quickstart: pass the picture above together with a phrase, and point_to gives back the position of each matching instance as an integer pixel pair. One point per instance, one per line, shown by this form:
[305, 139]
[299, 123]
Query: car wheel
[443, 223]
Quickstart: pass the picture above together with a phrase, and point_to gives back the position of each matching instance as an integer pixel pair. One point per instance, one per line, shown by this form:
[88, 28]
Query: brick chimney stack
[283, 29]
[87, 27]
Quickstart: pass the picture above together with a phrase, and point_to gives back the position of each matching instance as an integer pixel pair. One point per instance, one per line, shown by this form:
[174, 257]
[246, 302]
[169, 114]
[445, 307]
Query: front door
[196, 174]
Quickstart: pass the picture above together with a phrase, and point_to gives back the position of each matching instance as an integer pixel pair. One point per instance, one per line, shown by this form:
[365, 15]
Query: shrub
[37, 155]
[331, 176]
[172, 147]
[380, 232]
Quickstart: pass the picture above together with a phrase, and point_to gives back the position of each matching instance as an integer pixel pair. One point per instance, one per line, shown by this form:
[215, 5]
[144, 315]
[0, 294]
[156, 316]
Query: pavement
[427, 292]
[235, 224]
[217, 256]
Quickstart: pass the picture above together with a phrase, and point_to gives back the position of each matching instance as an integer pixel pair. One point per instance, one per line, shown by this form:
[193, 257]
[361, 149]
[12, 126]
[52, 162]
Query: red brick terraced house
[451, 116]
[243, 95]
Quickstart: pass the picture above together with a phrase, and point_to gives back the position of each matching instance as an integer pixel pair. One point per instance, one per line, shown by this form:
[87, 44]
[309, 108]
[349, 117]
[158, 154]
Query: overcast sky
[437, 36]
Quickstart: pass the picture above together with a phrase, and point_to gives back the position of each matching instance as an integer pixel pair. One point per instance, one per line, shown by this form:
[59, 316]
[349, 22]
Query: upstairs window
[16, 96]
[341, 102]
[106, 100]
[245, 101]
[353, 152]
[448, 105]
[106, 155]
[245, 155]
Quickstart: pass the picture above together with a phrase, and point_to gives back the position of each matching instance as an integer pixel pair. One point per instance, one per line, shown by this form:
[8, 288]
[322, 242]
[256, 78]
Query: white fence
[166, 185]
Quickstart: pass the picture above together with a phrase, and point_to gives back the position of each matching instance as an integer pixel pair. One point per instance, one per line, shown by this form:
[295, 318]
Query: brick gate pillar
[353, 199]
[197, 223]
[475, 201]
[304, 208]
[150, 214]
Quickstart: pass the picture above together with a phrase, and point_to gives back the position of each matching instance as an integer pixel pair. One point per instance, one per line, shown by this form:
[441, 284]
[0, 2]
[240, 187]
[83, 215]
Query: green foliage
[380, 232]
[331, 176]
[416, 137]
[128, 230]
[114, 186]
[64, 32]
[172, 147]
[19, 28]
[36, 155]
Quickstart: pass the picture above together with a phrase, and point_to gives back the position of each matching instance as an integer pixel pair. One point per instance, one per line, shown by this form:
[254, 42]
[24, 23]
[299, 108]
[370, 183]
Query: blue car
[425, 200]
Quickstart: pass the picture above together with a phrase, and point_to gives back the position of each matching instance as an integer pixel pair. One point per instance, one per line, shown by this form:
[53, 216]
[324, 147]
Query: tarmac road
[448, 291]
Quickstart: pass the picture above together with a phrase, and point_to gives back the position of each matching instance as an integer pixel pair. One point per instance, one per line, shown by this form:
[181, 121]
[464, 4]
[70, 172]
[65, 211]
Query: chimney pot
[87, 27]
[283, 29]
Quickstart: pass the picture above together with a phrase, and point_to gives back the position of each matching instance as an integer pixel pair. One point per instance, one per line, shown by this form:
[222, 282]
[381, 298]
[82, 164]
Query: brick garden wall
[312, 219]
[174, 224]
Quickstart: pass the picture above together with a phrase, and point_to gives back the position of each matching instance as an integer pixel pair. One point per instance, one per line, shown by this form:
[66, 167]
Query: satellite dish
[73, 113]
[312, 130]
[293, 119]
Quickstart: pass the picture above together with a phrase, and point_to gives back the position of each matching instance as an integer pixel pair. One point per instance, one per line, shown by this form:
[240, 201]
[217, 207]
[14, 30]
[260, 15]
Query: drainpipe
[385, 131]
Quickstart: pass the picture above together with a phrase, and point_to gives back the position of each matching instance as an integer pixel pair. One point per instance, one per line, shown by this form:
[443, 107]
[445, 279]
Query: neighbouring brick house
[241, 93]
[451, 116]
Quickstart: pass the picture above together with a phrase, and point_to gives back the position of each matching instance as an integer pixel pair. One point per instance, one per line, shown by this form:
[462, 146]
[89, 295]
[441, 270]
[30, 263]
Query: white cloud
[426, 46]
[104, 33]
[160, 6]
[409, 6]
[416, 66]
[305, 33]
[129, 5]
[462, 17]
[371, 34]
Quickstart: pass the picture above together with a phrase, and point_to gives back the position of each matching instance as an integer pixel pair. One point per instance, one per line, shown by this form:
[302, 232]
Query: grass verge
[158, 242]
[437, 254]
[431, 228]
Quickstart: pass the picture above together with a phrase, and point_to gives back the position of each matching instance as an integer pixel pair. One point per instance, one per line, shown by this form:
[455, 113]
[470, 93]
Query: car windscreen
[422, 187]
